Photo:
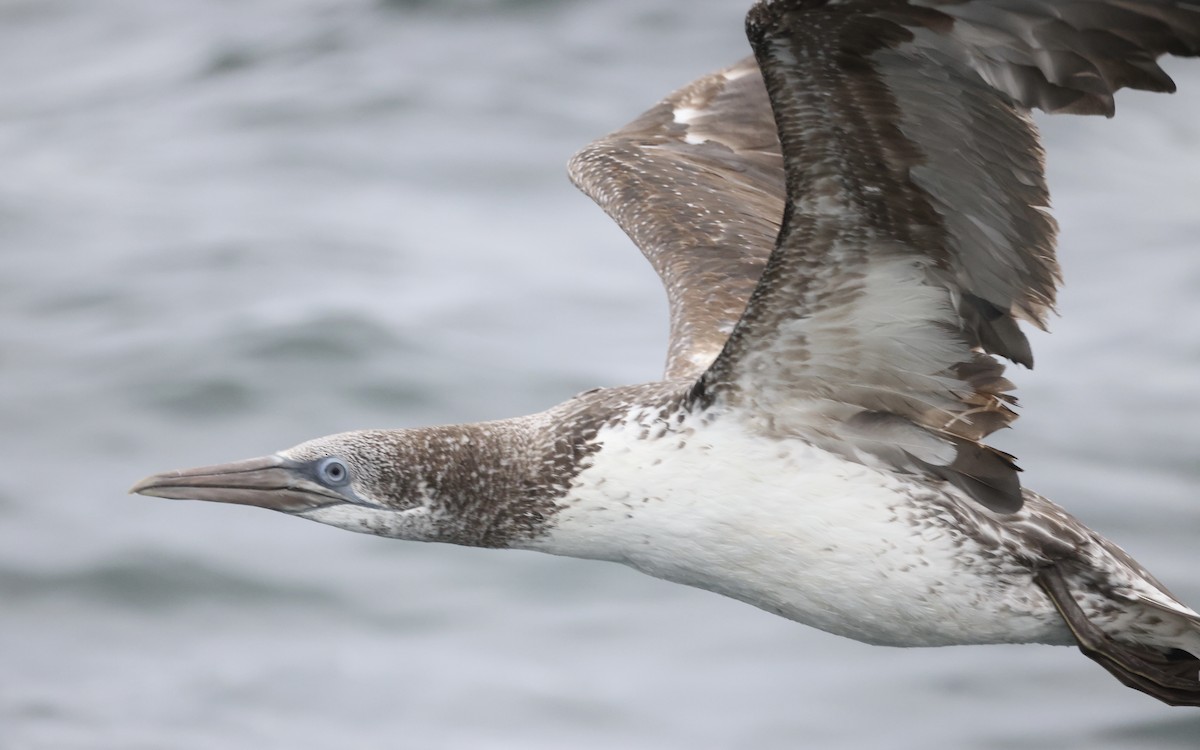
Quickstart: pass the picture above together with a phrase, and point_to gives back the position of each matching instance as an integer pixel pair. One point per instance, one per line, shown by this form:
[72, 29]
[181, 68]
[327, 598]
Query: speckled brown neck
[497, 484]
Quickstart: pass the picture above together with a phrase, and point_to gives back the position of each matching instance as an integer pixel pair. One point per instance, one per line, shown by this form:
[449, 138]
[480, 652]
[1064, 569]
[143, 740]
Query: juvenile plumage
[849, 227]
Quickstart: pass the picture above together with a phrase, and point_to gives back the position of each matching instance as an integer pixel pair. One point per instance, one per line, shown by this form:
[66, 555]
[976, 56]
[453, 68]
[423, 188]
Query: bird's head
[432, 484]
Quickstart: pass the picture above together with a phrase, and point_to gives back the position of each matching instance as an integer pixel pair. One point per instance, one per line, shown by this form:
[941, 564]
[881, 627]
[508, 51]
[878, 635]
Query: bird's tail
[1167, 668]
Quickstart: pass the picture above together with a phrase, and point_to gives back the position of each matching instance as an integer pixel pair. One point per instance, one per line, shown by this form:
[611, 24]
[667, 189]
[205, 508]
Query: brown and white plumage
[697, 182]
[849, 228]
[917, 232]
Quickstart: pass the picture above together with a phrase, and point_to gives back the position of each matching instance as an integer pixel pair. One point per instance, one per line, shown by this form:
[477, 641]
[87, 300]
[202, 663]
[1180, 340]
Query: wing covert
[697, 183]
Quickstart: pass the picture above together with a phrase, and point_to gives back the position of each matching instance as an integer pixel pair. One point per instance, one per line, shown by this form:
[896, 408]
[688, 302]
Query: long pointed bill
[269, 482]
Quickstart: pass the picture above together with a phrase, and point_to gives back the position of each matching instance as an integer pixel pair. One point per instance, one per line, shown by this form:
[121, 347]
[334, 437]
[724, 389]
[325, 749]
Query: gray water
[231, 226]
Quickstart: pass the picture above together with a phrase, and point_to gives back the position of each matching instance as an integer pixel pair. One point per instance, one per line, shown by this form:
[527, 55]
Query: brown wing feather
[697, 183]
[915, 231]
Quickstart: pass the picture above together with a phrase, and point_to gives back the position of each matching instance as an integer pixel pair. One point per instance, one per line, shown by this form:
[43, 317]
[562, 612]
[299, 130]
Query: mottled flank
[849, 228]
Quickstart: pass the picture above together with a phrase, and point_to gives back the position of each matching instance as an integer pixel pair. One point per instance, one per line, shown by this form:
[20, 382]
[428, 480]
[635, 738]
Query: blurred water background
[226, 227]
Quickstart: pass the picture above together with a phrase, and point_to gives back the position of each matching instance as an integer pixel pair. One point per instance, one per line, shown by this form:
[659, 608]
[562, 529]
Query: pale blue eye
[333, 472]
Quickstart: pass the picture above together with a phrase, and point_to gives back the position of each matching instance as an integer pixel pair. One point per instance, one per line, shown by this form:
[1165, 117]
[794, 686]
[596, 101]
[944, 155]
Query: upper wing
[915, 231]
[697, 182]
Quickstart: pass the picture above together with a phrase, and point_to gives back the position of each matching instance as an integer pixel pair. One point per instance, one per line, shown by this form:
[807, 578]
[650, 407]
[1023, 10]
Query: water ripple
[156, 581]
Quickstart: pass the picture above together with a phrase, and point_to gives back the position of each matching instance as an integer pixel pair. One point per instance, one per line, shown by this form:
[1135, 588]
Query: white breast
[794, 530]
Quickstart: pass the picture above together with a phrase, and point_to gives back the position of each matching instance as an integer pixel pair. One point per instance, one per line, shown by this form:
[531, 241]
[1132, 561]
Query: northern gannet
[849, 226]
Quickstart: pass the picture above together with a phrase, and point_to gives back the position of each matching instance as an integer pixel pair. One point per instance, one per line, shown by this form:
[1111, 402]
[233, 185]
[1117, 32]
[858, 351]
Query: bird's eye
[333, 471]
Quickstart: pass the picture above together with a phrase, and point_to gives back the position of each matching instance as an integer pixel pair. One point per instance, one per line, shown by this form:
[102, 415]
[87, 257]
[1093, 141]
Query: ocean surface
[227, 227]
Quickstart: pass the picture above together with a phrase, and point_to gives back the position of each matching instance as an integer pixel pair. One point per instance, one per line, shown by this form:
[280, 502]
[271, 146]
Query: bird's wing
[697, 183]
[915, 231]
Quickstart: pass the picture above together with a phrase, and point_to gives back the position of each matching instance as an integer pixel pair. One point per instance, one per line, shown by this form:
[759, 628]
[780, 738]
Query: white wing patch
[685, 116]
[886, 343]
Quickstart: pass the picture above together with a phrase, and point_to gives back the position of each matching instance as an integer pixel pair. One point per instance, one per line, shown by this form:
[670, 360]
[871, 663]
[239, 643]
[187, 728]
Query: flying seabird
[849, 226]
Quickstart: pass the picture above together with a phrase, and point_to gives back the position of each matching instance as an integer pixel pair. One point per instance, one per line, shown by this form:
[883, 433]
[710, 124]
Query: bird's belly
[805, 534]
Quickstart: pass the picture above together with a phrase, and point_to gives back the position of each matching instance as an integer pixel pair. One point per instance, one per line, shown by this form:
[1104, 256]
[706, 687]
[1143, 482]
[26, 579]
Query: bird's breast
[795, 530]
